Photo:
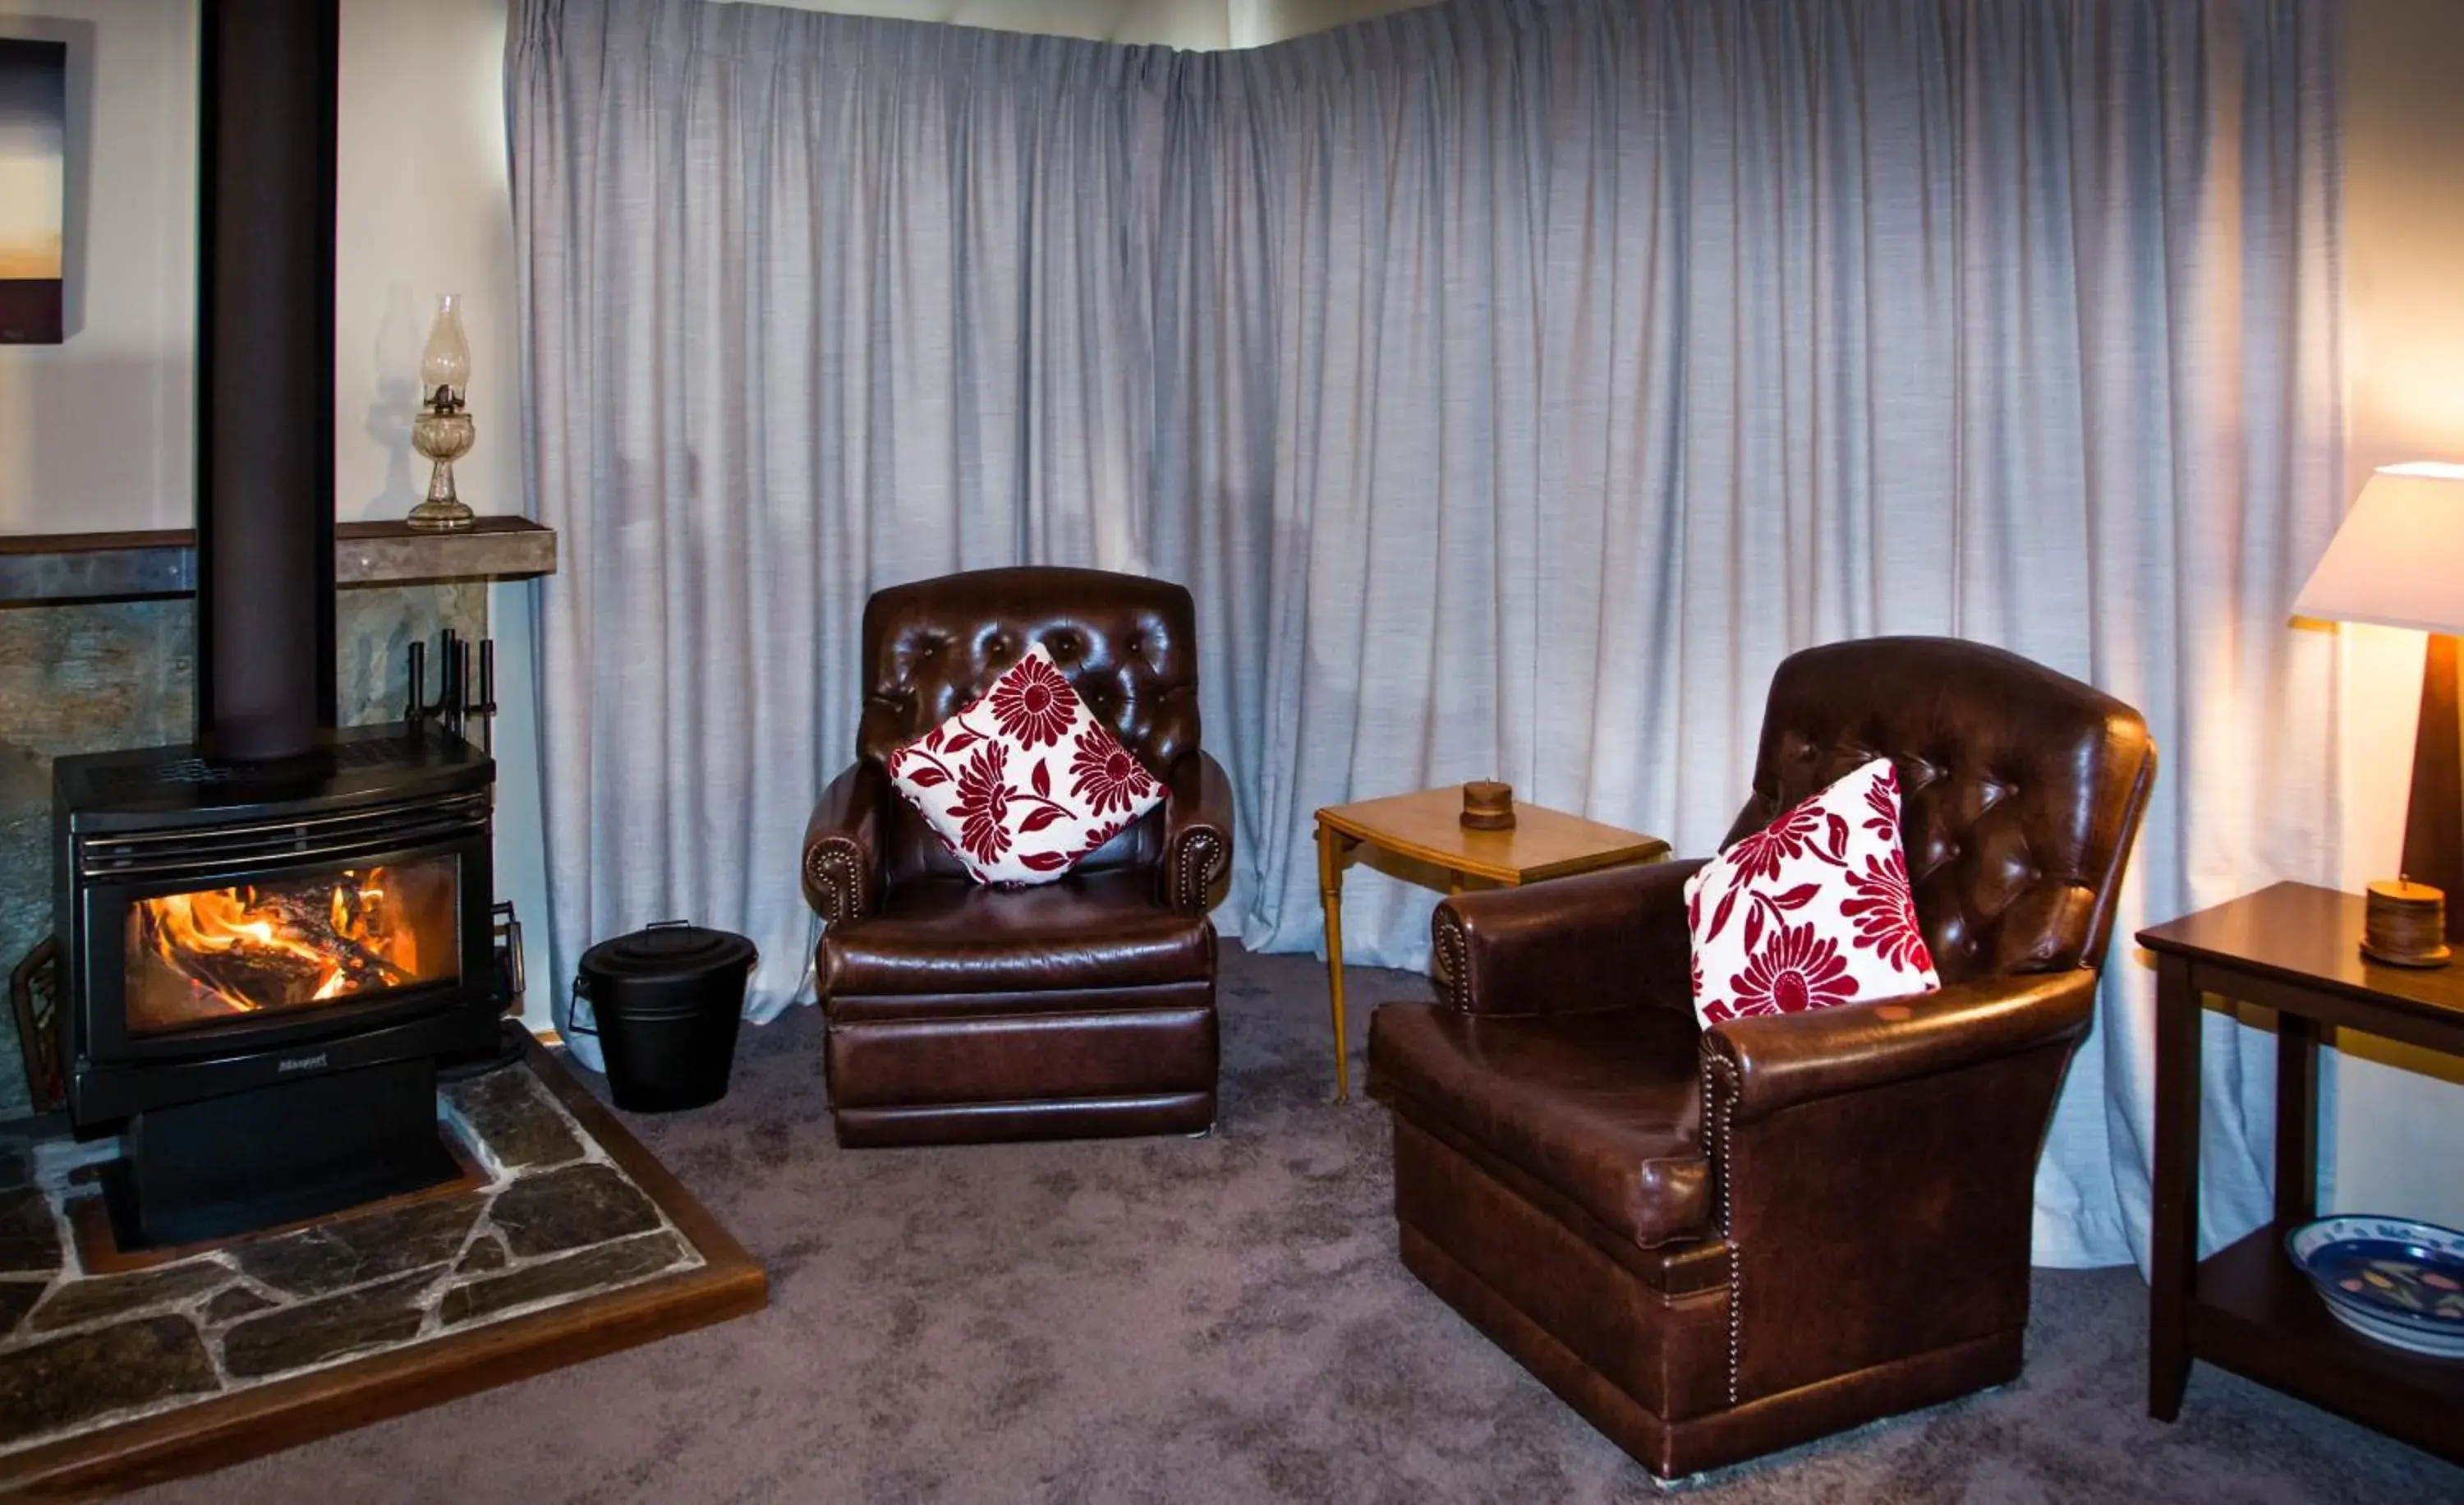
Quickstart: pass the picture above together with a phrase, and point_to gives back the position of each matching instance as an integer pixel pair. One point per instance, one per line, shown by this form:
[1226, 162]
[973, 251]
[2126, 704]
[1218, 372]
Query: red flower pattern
[1756, 855]
[1884, 910]
[1799, 970]
[1033, 703]
[1097, 837]
[1804, 830]
[1105, 774]
[986, 791]
[1815, 911]
[982, 804]
[1882, 807]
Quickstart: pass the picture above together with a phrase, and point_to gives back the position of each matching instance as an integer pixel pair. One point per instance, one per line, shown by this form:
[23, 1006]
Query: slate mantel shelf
[59, 567]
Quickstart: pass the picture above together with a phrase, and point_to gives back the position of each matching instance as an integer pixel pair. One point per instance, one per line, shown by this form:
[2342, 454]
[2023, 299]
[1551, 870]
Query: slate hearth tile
[485, 1254]
[350, 1250]
[17, 1297]
[231, 1305]
[47, 1385]
[28, 1239]
[562, 1210]
[609, 1265]
[511, 1113]
[329, 1327]
[77, 1301]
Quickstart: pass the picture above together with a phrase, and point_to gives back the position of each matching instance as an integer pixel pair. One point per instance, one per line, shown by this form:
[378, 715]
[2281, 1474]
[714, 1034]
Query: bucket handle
[573, 1024]
[582, 986]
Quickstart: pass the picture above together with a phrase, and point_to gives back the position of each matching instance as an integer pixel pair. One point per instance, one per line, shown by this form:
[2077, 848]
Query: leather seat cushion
[950, 936]
[1603, 1107]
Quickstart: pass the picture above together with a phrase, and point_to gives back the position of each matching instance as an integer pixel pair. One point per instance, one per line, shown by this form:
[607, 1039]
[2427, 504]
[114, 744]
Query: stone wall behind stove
[97, 676]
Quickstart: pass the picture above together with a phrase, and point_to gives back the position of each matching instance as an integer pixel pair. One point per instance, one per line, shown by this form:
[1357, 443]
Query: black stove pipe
[265, 377]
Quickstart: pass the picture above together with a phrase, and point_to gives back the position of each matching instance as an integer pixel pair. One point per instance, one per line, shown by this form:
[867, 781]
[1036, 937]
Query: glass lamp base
[449, 516]
[442, 438]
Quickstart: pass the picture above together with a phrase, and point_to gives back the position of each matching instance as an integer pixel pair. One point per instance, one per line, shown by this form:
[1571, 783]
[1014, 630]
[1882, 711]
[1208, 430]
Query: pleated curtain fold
[1514, 383]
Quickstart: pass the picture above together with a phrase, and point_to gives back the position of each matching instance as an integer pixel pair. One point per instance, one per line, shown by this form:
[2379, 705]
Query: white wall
[2399, 1119]
[1193, 24]
[1196, 25]
[424, 207]
[1254, 23]
[95, 431]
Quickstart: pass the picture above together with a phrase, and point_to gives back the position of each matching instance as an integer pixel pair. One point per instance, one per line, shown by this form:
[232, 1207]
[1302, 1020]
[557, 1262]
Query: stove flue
[265, 376]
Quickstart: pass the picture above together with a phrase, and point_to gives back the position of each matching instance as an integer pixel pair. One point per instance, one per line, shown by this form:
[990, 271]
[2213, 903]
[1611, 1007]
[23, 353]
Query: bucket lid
[668, 949]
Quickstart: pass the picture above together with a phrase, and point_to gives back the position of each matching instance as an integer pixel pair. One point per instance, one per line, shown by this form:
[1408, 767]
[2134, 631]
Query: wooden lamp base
[2405, 925]
[2408, 922]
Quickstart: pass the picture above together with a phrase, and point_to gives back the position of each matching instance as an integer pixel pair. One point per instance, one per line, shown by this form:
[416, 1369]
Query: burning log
[312, 923]
[251, 951]
[245, 979]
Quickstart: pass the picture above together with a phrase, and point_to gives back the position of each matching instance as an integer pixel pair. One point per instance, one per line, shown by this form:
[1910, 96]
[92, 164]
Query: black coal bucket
[666, 1002]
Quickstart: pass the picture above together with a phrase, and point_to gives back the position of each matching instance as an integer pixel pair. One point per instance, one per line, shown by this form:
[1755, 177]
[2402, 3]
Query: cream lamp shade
[2398, 561]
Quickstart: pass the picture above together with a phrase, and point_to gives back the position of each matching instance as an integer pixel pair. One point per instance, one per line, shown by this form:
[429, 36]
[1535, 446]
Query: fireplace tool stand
[460, 698]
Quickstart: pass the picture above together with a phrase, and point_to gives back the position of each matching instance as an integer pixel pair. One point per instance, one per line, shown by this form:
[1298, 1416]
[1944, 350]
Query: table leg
[2174, 1245]
[1331, 851]
[2297, 1120]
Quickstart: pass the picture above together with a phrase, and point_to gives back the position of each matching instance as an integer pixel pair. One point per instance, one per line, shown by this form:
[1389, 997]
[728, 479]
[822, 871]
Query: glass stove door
[289, 940]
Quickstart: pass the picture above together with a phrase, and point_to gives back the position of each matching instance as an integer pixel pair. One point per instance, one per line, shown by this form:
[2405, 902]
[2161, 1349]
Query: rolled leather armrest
[1771, 1061]
[1609, 940]
[843, 844]
[1197, 832]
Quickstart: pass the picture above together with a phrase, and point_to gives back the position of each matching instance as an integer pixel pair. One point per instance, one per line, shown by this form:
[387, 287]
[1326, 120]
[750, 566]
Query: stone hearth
[552, 1220]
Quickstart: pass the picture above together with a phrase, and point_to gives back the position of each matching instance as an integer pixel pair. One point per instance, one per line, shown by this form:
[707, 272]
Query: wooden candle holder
[1488, 806]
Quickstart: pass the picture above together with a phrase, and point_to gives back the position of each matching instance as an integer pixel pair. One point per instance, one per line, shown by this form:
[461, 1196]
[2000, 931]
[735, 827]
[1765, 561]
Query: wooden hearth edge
[217, 1433]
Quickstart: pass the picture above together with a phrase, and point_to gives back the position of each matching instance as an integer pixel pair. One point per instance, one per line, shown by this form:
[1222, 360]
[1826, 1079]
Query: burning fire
[243, 949]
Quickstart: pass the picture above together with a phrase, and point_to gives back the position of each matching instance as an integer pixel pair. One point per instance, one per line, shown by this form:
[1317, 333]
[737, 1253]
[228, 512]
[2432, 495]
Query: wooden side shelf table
[1426, 826]
[2292, 948]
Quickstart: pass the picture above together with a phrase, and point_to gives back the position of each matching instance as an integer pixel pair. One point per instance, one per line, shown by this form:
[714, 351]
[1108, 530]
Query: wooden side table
[2292, 948]
[1426, 827]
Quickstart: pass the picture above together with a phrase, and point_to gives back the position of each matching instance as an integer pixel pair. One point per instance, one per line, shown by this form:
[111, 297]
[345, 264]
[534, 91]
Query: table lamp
[2398, 561]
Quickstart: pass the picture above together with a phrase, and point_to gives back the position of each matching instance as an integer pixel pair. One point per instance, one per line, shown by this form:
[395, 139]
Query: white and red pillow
[1024, 784]
[1811, 911]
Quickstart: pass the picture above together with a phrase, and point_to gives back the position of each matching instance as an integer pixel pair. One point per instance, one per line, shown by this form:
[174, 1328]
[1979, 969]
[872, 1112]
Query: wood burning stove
[268, 939]
[231, 932]
[212, 917]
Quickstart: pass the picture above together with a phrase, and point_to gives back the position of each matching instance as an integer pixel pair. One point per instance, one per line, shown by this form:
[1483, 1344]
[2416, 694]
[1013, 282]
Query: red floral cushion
[1025, 783]
[1813, 911]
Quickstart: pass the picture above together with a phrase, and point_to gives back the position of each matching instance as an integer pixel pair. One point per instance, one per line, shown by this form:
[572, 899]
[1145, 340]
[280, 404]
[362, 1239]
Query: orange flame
[271, 937]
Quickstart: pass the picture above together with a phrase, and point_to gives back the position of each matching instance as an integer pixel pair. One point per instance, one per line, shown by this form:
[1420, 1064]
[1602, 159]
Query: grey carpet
[1210, 1319]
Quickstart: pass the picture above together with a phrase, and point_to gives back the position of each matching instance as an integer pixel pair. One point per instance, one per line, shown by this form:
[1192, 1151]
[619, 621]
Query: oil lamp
[443, 431]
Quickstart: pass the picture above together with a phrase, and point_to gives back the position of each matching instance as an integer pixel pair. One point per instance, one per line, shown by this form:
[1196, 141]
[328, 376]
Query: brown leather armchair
[955, 1012]
[1714, 1245]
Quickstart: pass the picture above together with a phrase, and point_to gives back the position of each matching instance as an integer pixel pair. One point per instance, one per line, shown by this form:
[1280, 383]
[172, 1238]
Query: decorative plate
[2397, 1335]
[2401, 1273]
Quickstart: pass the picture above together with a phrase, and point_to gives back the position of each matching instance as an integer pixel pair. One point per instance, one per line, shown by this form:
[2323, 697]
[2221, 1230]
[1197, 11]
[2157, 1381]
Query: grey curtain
[1514, 383]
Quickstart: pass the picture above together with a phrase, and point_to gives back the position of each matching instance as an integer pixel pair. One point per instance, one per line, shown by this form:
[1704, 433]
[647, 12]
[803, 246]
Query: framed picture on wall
[33, 180]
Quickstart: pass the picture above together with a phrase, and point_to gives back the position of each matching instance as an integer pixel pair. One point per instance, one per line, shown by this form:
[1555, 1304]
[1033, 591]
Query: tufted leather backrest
[1127, 644]
[2022, 789]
